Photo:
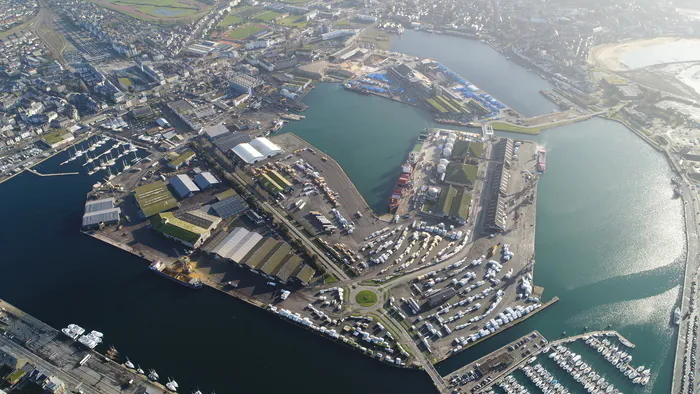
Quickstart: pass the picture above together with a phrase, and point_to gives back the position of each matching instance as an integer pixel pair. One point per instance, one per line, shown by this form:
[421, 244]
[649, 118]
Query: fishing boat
[677, 316]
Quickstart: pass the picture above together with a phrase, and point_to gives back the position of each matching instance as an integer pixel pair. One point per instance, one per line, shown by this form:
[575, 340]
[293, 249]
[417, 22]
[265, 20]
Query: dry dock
[54, 354]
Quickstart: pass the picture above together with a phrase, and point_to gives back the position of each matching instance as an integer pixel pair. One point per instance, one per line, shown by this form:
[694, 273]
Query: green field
[267, 16]
[126, 81]
[247, 11]
[243, 32]
[292, 21]
[230, 20]
[366, 298]
[156, 9]
[295, 1]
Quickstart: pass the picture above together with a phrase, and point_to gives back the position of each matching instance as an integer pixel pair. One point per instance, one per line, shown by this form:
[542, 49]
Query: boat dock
[607, 333]
[35, 172]
[32, 341]
[486, 371]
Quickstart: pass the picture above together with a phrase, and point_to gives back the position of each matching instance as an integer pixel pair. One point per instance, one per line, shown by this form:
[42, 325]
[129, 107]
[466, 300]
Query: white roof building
[237, 244]
[266, 147]
[183, 185]
[247, 153]
[205, 179]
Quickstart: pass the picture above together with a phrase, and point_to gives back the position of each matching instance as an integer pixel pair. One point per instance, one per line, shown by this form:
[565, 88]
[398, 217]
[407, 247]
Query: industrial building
[243, 84]
[154, 198]
[463, 175]
[100, 212]
[201, 219]
[247, 154]
[179, 230]
[226, 142]
[214, 131]
[265, 147]
[178, 160]
[229, 206]
[205, 180]
[235, 245]
[183, 186]
[453, 203]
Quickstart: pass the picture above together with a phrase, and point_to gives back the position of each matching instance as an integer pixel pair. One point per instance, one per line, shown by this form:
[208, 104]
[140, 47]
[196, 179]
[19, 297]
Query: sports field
[267, 16]
[157, 9]
[230, 20]
[243, 32]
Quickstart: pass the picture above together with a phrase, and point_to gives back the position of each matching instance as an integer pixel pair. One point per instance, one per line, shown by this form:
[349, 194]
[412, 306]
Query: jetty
[35, 172]
[607, 333]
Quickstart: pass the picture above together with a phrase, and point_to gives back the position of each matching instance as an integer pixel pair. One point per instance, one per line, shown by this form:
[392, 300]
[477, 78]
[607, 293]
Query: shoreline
[609, 56]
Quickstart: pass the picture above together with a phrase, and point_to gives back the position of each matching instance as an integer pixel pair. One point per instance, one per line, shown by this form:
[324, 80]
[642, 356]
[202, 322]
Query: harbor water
[609, 241]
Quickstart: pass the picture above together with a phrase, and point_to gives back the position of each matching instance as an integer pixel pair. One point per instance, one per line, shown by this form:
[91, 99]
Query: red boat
[542, 160]
[402, 184]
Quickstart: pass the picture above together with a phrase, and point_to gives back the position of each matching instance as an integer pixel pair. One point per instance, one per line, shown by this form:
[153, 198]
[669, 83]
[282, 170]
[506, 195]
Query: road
[691, 208]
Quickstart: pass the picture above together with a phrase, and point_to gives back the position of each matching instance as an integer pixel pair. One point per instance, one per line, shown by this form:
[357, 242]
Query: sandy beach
[609, 56]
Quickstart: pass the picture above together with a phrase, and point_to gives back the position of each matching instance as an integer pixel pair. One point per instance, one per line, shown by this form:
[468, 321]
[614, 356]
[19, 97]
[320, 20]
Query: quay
[55, 355]
[35, 172]
[607, 333]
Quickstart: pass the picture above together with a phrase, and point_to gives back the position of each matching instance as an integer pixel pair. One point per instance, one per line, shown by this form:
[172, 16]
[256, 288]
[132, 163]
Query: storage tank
[444, 161]
[447, 152]
[441, 168]
[433, 192]
[449, 146]
[452, 136]
[451, 141]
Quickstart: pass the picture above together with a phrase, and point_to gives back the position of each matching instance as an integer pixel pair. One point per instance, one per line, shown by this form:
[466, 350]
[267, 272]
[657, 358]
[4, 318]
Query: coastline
[609, 56]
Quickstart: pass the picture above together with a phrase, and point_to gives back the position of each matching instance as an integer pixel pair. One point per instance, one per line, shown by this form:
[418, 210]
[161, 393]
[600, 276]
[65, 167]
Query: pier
[54, 354]
[35, 172]
[607, 333]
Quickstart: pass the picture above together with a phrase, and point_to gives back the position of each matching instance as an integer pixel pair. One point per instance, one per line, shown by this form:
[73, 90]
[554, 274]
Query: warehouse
[179, 230]
[265, 147]
[246, 153]
[154, 198]
[288, 269]
[100, 212]
[183, 185]
[275, 260]
[226, 142]
[305, 274]
[201, 219]
[237, 244]
[205, 180]
[229, 206]
[215, 131]
[258, 256]
[178, 160]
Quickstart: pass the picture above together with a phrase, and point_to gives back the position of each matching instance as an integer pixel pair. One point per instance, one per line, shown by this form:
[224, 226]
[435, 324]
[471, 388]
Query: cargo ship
[542, 160]
[402, 184]
[161, 269]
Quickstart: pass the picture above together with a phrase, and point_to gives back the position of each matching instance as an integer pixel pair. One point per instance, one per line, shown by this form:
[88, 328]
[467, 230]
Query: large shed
[183, 185]
[237, 244]
[100, 212]
[205, 180]
[247, 153]
[265, 147]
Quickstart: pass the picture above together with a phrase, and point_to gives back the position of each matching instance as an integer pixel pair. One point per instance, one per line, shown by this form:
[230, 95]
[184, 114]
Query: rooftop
[154, 198]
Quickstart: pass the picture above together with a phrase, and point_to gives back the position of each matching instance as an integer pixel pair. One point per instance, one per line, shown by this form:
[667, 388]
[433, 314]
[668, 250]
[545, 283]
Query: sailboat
[139, 370]
[129, 364]
[171, 385]
[153, 375]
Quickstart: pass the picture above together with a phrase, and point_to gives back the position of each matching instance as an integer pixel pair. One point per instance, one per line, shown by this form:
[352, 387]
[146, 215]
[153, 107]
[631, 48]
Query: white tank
[433, 192]
[447, 152]
[451, 141]
[452, 135]
[444, 161]
[448, 146]
[441, 168]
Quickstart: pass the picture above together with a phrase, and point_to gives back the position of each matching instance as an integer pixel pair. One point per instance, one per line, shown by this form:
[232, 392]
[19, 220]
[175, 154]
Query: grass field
[515, 128]
[366, 298]
[247, 11]
[230, 20]
[292, 21]
[156, 9]
[267, 16]
[295, 1]
[126, 81]
[243, 32]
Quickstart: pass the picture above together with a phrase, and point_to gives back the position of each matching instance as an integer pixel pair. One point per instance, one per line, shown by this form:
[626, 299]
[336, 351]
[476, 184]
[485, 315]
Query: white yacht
[129, 364]
[153, 375]
[73, 331]
[171, 385]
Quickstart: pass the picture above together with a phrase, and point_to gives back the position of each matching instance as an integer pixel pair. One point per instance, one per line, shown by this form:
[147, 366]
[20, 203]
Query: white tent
[266, 147]
[247, 153]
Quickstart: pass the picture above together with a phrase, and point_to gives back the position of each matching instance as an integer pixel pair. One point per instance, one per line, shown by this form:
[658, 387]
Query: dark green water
[608, 237]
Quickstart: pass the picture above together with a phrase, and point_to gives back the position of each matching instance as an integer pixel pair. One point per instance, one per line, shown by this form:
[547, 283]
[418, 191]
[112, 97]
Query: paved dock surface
[55, 354]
